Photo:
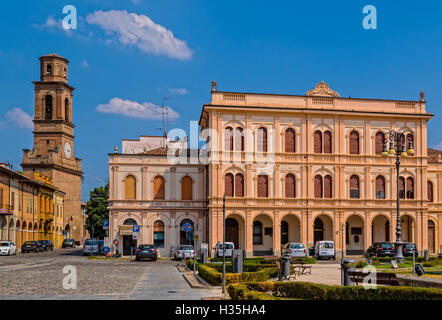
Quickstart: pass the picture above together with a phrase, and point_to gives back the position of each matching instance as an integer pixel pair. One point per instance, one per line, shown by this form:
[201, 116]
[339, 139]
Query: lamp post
[224, 244]
[397, 141]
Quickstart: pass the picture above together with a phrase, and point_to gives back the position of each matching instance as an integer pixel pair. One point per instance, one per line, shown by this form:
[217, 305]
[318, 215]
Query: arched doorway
[187, 230]
[158, 234]
[407, 228]
[290, 229]
[67, 232]
[11, 233]
[431, 237]
[380, 229]
[322, 228]
[232, 231]
[354, 235]
[19, 234]
[262, 235]
[3, 228]
[129, 244]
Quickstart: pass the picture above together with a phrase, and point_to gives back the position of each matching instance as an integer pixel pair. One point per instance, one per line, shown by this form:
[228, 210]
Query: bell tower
[53, 152]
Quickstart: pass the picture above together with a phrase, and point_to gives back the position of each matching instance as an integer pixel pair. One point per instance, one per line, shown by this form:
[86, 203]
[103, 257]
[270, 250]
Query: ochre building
[303, 168]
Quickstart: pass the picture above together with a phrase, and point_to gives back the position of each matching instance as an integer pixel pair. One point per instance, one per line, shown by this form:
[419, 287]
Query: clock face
[67, 150]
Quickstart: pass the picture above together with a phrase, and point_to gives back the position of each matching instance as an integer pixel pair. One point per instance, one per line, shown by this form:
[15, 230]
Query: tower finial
[422, 94]
[213, 86]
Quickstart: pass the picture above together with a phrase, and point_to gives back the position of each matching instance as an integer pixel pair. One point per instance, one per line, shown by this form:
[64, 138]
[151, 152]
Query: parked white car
[91, 247]
[295, 249]
[229, 249]
[7, 248]
[325, 249]
[184, 252]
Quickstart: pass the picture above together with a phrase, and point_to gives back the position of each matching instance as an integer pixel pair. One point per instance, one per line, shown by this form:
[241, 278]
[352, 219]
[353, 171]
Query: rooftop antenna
[164, 113]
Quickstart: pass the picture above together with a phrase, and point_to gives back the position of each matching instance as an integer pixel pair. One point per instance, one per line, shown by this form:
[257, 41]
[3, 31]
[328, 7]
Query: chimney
[422, 96]
[213, 86]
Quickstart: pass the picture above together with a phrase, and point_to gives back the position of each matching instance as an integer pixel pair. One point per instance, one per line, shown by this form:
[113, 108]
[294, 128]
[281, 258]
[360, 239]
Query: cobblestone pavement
[40, 276]
[323, 273]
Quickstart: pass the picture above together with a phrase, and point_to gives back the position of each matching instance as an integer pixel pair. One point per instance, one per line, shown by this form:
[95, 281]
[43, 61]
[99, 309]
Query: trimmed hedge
[215, 278]
[240, 291]
[260, 260]
[312, 291]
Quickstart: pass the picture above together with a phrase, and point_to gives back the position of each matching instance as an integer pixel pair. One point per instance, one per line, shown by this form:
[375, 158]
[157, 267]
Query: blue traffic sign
[187, 227]
[106, 250]
[136, 229]
[106, 223]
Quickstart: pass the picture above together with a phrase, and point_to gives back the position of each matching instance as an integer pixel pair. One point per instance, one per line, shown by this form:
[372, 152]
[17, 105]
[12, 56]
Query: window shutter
[186, 188]
[328, 187]
[290, 187]
[158, 187]
[262, 139]
[318, 187]
[290, 145]
[354, 142]
[239, 185]
[228, 139]
[327, 142]
[354, 186]
[228, 185]
[430, 191]
[380, 187]
[239, 139]
[130, 187]
[262, 186]
[379, 143]
[410, 188]
[317, 142]
[401, 188]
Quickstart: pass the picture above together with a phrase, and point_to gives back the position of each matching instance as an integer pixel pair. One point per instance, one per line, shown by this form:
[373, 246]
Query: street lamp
[397, 142]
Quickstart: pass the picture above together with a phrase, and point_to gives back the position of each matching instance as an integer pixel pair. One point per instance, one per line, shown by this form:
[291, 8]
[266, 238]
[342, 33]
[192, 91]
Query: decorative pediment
[322, 90]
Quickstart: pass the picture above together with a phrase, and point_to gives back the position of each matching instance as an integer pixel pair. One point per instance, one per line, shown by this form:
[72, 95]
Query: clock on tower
[53, 153]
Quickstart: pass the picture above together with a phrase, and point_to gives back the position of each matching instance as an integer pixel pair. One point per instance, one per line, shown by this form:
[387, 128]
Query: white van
[325, 249]
[229, 249]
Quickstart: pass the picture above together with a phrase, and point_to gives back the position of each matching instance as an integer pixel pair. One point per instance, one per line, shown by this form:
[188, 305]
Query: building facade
[309, 167]
[53, 152]
[148, 190]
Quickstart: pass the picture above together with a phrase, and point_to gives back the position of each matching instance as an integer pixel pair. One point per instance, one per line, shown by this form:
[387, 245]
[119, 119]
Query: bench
[275, 260]
[383, 278]
[300, 266]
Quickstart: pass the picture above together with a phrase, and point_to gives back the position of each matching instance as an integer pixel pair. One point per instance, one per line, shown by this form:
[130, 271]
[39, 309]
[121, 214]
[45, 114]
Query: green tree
[97, 211]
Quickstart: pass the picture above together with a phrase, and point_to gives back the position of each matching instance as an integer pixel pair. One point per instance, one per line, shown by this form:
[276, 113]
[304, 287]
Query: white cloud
[180, 91]
[438, 146]
[133, 109]
[20, 118]
[84, 64]
[140, 31]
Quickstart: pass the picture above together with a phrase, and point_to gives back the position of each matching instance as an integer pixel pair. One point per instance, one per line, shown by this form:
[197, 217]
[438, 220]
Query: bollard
[426, 255]
[285, 268]
[204, 256]
[345, 278]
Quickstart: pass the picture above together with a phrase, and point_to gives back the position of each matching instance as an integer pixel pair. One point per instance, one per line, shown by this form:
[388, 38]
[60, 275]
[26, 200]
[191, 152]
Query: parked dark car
[146, 251]
[29, 246]
[408, 249]
[380, 249]
[47, 245]
[101, 245]
[68, 243]
[77, 243]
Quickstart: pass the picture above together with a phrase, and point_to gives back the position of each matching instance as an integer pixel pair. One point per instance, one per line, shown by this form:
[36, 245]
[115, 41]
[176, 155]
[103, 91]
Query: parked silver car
[91, 247]
[295, 249]
[184, 252]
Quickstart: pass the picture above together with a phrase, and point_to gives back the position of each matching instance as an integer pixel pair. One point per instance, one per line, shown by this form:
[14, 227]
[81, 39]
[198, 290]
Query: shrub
[241, 292]
[312, 291]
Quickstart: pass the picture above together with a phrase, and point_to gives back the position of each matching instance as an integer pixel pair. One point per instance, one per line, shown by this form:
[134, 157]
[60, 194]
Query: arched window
[410, 188]
[257, 232]
[48, 70]
[262, 139]
[66, 109]
[65, 73]
[239, 139]
[158, 188]
[263, 186]
[228, 139]
[228, 185]
[290, 143]
[158, 234]
[379, 142]
[354, 187]
[290, 186]
[401, 188]
[239, 185]
[48, 107]
[186, 188]
[186, 237]
[354, 142]
[328, 187]
[130, 187]
[410, 141]
[317, 140]
[380, 187]
[318, 186]
[430, 191]
[130, 222]
[327, 142]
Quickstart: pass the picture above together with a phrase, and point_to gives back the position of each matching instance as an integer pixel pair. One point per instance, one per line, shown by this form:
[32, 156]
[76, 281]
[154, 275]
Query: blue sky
[253, 46]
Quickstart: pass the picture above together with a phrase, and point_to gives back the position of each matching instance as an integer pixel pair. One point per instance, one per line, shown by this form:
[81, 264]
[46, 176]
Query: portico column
[276, 234]
[172, 231]
[249, 234]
